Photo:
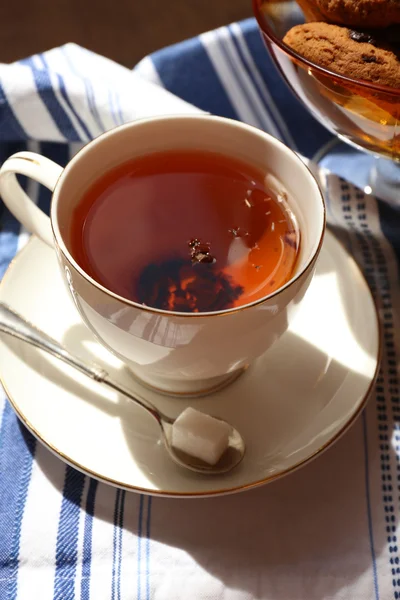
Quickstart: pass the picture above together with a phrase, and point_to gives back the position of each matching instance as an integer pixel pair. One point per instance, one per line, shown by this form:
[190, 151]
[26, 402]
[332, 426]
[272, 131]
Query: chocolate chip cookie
[351, 53]
[360, 13]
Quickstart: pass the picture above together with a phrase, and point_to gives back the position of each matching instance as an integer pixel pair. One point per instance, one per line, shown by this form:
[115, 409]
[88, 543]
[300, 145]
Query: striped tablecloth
[328, 531]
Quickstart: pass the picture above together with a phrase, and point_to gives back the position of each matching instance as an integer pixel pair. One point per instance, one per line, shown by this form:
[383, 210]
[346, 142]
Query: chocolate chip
[362, 37]
[368, 59]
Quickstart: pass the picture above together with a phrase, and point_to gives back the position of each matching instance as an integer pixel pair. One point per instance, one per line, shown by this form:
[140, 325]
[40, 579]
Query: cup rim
[59, 241]
[265, 30]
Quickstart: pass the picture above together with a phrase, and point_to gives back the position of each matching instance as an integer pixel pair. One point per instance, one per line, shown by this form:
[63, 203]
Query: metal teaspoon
[15, 325]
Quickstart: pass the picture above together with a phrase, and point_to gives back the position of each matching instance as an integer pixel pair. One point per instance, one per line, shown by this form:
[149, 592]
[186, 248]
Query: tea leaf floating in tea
[200, 253]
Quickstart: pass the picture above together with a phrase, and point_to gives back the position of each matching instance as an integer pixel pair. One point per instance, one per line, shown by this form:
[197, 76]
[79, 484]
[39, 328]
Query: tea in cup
[186, 242]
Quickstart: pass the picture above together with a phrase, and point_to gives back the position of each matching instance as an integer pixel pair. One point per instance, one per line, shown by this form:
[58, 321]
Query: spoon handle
[17, 326]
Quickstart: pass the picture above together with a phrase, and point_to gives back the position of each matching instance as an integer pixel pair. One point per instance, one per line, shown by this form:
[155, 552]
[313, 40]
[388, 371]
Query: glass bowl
[361, 113]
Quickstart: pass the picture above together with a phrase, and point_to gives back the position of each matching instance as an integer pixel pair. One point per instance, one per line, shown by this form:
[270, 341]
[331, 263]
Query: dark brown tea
[186, 231]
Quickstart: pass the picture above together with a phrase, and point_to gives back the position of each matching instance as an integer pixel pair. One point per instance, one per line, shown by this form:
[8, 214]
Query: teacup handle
[40, 169]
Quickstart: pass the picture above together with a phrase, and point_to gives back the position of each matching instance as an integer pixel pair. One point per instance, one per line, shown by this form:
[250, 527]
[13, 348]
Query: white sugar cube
[200, 435]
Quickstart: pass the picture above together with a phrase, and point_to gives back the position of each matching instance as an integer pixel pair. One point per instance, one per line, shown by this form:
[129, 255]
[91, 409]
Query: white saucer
[289, 406]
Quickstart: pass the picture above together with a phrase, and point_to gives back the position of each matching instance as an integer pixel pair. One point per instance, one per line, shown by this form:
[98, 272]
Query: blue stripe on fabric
[60, 153]
[308, 134]
[87, 540]
[389, 220]
[9, 226]
[46, 92]
[121, 532]
[104, 128]
[67, 536]
[92, 105]
[17, 450]
[64, 94]
[112, 110]
[175, 67]
[43, 61]
[148, 548]
[89, 90]
[235, 71]
[114, 560]
[139, 565]
[379, 281]
[117, 544]
[9, 230]
[119, 108]
[10, 127]
[283, 134]
[368, 501]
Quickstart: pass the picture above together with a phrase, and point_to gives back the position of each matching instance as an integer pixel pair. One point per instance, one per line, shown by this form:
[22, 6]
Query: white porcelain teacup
[175, 352]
